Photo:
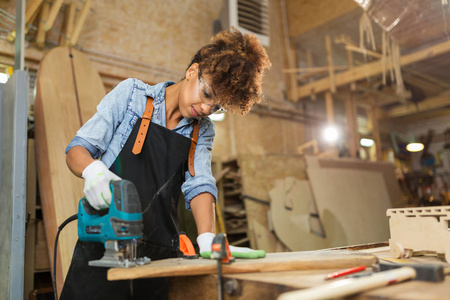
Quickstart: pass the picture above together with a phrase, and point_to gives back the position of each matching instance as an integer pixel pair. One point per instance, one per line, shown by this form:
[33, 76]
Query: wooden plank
[376, 131]
[293, 84]
[290, 201]
[41, 259]
[271, 285]
[330, 63]
[30, 233]
[68, 24]
[386, 168]
[31, 9]
[329, 107]
[58, 115]
[56, 6]
[273, 262]
[309, 63]
[437, 102]
[79, 24]
[313, 70]
[356, 198]
[258, 173]
[371, 69]
[40, 36]
[350, 114]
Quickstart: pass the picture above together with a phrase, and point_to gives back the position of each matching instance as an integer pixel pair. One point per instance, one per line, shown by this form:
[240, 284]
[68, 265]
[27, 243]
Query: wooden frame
[415, 230]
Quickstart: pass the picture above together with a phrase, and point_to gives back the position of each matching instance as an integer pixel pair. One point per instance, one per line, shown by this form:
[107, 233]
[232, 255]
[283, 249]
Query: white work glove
[96, 186]
[205, 241]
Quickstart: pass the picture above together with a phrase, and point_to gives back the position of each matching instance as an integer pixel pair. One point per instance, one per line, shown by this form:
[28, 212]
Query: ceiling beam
[370, 69]
[428, 104]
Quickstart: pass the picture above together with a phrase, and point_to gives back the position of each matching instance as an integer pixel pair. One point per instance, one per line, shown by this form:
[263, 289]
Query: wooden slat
[30, 232]
[353, 135]
[330, 63]
[79, 24]
[431, 103]
[31, 12]
[57, 118]
[68, 24]
[31, 9]
[371, 69]
[56, 6]
[329, 107]
[273, 262]
[376, 131]
[40, 36]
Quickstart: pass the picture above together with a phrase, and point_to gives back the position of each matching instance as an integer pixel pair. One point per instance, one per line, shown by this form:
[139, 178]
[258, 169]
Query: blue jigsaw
[119, 227]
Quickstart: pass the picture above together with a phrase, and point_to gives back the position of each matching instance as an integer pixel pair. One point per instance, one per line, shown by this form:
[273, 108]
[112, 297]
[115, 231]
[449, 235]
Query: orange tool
[186, 246]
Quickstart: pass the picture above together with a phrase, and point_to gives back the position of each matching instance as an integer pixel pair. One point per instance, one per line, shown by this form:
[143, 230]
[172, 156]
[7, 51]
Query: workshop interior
[337, 183]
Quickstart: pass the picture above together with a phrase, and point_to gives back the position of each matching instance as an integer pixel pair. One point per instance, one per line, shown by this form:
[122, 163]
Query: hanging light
[414, 147]
[331, 134]
[365, 142]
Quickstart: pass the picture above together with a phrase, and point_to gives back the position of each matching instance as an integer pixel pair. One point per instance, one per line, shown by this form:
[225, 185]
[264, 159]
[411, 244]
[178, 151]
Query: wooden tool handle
[351, 286]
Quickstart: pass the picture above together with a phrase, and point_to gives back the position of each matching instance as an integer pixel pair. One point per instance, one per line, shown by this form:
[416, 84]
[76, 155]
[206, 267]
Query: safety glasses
[208, 97]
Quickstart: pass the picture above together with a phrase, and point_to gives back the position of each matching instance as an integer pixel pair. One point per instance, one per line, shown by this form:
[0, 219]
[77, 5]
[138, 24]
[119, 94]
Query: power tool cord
[70, 219]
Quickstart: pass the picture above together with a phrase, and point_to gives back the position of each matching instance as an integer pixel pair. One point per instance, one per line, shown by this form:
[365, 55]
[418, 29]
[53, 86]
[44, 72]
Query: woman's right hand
[96, 186]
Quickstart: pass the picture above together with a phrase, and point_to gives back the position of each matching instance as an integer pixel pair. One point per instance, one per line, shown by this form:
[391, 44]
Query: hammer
[394, 273]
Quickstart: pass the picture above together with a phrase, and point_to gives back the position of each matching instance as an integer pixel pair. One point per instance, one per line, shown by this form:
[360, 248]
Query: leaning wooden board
[273, 262]
[68, 91]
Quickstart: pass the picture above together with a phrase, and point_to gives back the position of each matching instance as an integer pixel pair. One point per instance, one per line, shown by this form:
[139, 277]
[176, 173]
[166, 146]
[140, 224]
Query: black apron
[158, 173]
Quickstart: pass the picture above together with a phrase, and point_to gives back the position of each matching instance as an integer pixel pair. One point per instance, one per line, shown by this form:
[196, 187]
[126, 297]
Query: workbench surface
[270, 283]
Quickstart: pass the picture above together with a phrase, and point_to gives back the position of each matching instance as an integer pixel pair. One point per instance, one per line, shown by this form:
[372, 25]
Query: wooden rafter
[370, 69]
[440, 101]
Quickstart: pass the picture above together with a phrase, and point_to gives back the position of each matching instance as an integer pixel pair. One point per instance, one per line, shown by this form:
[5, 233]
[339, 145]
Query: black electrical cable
[70, 219]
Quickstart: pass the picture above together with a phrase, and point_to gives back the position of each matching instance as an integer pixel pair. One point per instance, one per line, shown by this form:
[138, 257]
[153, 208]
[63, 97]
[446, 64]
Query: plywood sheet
[273, 262]
[356, 198]
[68, 90]
[289, 204]
[258, 174]
[387, 169]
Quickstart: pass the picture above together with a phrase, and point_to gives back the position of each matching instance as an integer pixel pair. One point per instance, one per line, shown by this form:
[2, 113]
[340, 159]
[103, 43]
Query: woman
[226, 74]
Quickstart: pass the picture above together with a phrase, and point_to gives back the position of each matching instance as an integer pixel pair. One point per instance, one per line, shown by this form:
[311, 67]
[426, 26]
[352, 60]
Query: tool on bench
[119, 227]
[345, 272]
[186, 246]
[220, 250]
[395, 273]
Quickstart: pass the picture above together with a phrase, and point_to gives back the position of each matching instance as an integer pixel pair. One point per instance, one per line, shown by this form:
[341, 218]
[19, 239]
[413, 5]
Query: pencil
[345, 272]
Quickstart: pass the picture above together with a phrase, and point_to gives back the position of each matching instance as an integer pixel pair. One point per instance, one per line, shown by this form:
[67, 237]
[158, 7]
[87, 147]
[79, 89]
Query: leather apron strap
[194, 140]
[147, 118]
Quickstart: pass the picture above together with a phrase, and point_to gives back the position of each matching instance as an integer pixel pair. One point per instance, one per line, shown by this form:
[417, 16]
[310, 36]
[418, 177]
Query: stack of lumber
[234, 210]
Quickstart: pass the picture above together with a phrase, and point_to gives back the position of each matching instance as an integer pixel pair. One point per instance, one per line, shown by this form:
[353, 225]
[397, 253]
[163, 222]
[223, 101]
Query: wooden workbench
[278, 273]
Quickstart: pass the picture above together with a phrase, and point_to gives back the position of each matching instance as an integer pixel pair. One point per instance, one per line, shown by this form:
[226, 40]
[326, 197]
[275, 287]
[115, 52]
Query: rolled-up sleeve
[203, 181]
[96, 134]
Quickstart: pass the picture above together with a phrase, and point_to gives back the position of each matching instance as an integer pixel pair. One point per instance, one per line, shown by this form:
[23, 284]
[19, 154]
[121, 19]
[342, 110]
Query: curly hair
[235, 62]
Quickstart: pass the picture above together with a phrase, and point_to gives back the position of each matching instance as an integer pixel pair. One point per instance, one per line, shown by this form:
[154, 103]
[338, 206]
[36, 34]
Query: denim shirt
[105, 134]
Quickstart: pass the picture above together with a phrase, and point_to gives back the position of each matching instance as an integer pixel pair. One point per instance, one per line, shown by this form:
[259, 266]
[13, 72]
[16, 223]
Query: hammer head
[424, 272]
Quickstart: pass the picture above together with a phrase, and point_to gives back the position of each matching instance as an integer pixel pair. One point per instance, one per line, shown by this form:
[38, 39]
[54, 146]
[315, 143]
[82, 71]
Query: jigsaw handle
[125, 199]
[121, 221]
[125, 196]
